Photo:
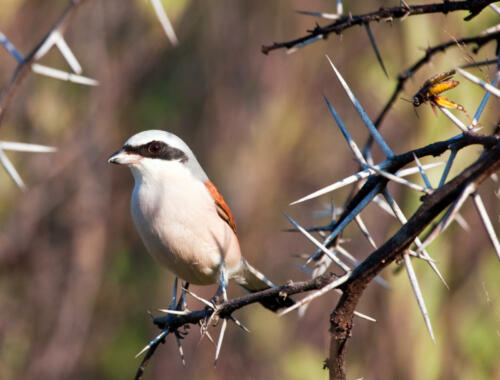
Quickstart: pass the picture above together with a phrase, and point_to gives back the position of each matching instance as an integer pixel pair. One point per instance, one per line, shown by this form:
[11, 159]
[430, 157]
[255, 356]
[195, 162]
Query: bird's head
[153, 152]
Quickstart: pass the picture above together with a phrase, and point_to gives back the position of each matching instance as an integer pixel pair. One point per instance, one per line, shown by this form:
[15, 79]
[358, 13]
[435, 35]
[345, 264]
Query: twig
[474, 7]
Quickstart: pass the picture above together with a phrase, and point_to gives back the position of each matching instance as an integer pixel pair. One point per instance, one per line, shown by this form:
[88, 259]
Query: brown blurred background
[75, 280]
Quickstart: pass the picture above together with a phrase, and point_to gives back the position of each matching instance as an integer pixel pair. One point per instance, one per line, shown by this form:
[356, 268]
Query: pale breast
[181, 229]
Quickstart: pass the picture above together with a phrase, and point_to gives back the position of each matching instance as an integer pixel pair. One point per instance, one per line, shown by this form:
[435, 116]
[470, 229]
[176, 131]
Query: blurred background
[75, 280]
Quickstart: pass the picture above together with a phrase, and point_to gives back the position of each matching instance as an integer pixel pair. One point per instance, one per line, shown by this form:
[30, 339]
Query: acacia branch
[358, 279]
[473, 6]
[432, 206]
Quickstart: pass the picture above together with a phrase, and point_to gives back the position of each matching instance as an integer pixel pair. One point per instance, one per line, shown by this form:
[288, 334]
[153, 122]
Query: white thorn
[164, 21]
[219, 343]
[11, 170]
[62, 75]
[418, 294]
[317, 294]
[486, 222]
[67, 53]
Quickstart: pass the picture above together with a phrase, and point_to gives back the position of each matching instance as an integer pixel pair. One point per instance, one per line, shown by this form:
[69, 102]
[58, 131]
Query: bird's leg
[220, 292]
[172, 307]
[182, 305]
[222, 284]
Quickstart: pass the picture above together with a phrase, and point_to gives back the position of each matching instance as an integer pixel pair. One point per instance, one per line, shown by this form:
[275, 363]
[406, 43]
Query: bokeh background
[75, 280]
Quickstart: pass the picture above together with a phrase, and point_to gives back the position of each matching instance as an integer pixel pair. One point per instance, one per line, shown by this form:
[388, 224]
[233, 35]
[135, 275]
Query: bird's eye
[154, 148]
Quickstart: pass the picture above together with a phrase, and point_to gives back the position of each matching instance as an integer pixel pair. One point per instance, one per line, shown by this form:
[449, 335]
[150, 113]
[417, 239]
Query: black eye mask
[157, 149]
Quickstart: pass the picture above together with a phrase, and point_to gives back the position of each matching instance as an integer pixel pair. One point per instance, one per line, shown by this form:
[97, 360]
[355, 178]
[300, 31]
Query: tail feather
[253, 281]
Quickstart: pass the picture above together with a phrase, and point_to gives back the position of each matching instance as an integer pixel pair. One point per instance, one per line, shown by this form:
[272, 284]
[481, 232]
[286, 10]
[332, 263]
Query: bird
[183, 219]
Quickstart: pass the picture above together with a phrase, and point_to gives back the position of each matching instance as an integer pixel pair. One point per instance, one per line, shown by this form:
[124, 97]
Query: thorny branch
[341, 318]
[358, 279]
[473, 6]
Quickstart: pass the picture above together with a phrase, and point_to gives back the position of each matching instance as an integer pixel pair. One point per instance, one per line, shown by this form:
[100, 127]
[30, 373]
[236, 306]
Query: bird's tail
[253, 281]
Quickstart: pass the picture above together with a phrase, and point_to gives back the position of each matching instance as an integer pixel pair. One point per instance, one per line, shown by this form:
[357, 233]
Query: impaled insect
[431, 89]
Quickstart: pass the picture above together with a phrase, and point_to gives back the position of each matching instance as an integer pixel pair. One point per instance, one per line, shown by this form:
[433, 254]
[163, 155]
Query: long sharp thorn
[239, 324]
[401, 181]
[447, 168]
[364, 316]
[418, 294]
[337, 185]
[327, 16]
[174, 312]
[488, 87]
[62, 75]
[409, 171]
[462, 222]
[366, 120]
[402, 219]
[209, 337]
[305, 43]
[181, 351]
[359, 176]
[482, 105]
[11, 170]
[317, 294]
[11, 48]
[352, 145]
[202, 300]
[365, 231]
[382, 203]
[422, 172]
[46, 46]
[420, 256]
[375, 48]
[25, 147]
[67, 53]
[313, 240]
[454, 119]
[219, 343]
[155, 341]
[355, 211]
[487, 223]
[340, 7]
[448, 216]
[164, 21]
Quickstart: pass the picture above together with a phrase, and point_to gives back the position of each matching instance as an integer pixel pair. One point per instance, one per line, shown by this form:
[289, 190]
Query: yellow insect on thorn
[431, 89]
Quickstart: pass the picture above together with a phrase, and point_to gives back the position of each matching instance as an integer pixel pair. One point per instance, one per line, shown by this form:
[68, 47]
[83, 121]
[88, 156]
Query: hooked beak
[122, 157]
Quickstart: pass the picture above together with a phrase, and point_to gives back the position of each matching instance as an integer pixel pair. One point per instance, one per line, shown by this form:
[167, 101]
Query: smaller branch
[228, 307]
[403, 11]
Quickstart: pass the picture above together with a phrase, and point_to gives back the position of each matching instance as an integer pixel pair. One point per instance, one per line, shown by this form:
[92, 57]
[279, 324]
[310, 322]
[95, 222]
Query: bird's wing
[222, 208]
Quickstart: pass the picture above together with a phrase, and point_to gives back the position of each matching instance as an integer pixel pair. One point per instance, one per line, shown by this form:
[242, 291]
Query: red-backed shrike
[182, 218]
